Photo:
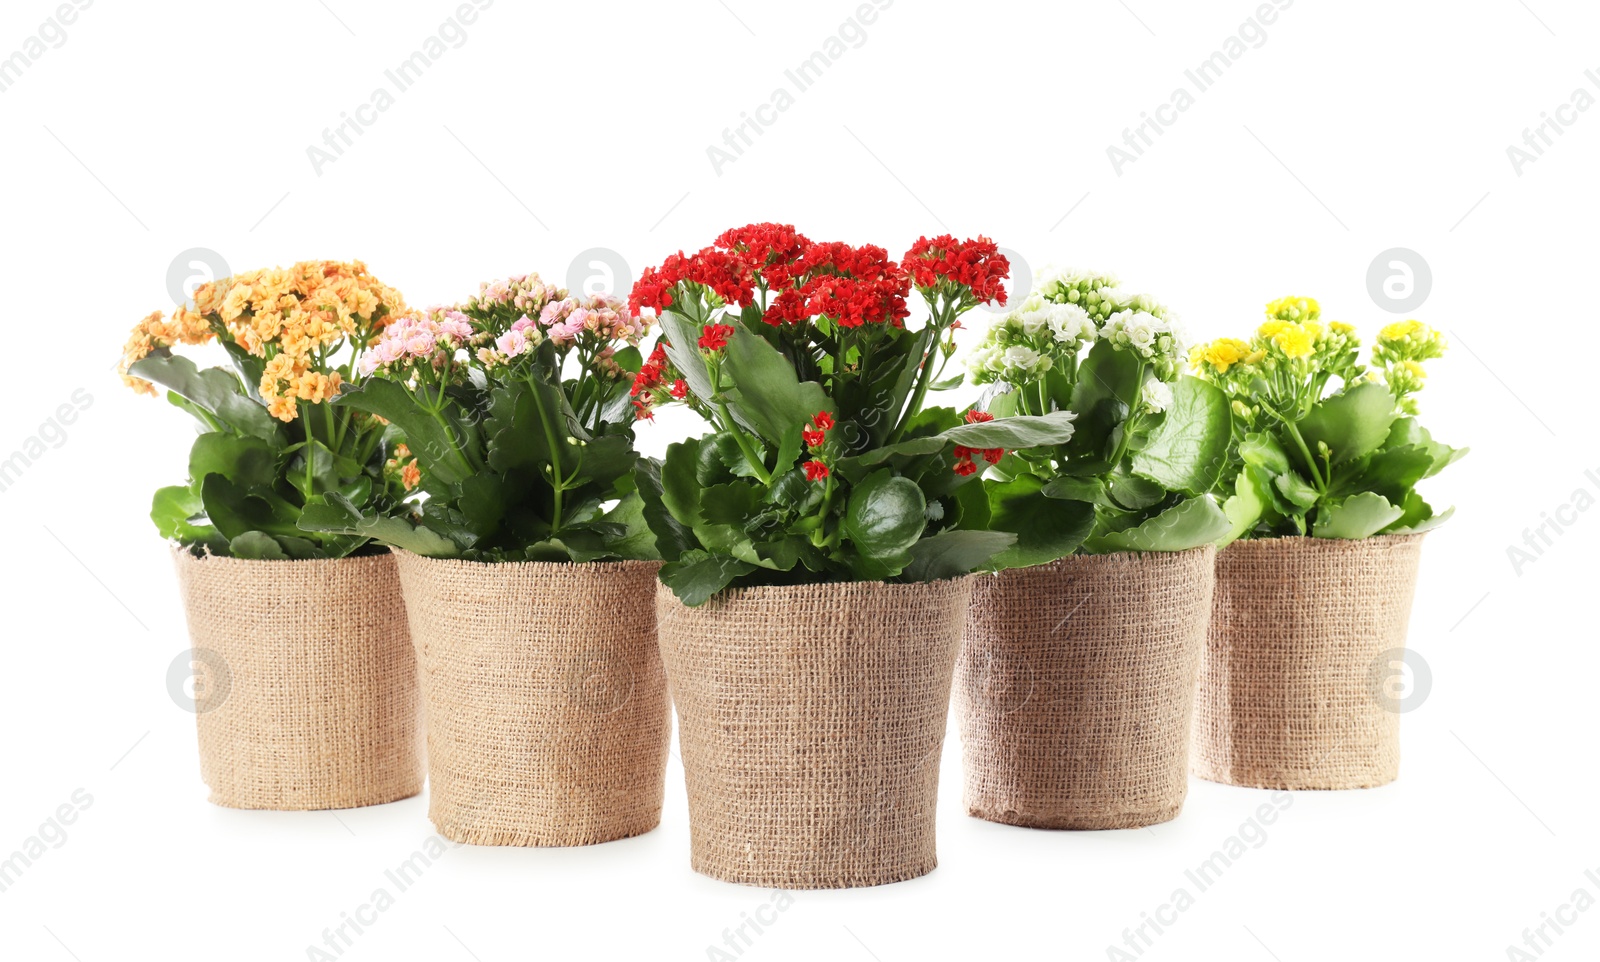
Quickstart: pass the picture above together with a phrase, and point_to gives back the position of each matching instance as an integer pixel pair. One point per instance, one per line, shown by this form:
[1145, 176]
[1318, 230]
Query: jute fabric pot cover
[547, 709]
[811, 720]
[1303, 632]
[1075, 687]
[305, 685]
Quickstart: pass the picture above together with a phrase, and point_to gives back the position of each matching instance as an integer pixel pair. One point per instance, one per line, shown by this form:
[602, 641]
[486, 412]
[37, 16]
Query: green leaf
[697, 576]
[1092, 490]
[950, 554]
[672, 538]
[765, 390]
[1013, 433]
[1187, 524]
[1189, 449]
[337, 515]
[1356, 517]
[1353, 424]
[1296, 489]
[1133, 493]
[174, 509]
[885, 515]
[1107, 388]
[1046, 528]
[430, 442]
[213, 390]
[256, 546]
[1264, 451]
[1252, 496]
[680, 484]
[243, 459]
[1418, 517]
[235, 510]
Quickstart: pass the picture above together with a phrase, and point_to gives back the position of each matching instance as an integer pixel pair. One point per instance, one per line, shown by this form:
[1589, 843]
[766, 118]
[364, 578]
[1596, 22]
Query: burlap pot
[306, 687]
[1291, 686]
[547, 709]
[811, 718]
[1075, 687]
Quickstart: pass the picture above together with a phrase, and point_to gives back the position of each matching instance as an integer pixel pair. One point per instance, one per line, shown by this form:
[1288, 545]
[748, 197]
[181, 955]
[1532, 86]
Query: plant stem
[714, 370]
[557, 482]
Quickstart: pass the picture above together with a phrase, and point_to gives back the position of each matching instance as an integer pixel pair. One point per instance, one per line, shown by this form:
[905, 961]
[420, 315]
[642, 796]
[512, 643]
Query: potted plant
[526, 566]
[812, 595]
[1076, 677]
[1313, 599]
[314, 686]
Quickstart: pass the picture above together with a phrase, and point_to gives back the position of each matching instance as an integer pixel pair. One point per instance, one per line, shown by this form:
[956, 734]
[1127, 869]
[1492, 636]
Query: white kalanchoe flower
[1070, 325]
[1157, 395]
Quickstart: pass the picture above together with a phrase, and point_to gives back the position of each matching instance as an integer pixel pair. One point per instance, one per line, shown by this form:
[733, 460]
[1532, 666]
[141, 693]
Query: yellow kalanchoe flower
[1221, 354]
[1400, 330]
[1294, 341]
[1297, 309]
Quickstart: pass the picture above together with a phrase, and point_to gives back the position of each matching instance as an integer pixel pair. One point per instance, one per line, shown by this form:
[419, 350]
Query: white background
[1353, 128]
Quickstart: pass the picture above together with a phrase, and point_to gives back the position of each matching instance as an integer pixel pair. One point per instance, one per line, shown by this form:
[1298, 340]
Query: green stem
[924, 377]
[1305, 452]
[557, 482]
[714, 370]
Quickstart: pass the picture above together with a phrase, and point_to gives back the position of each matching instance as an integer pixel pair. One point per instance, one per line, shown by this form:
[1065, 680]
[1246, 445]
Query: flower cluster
[970, 272]
[1294, 340]
[433, 339]
[1399, 352]
[403, 467]
[298, 321]
[964, 463]
[1090, 290]
[814, 435]
[787, 276]
[1150, 334]
[657, 381]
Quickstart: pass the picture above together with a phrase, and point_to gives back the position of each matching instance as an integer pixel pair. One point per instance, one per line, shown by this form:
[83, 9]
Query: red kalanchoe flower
[993, 455]
[975, 264]
[680, 389]
[650, 372]
[641, 408]
[714, 337]
[816, 471]
[964, 465]
[978, 417]
[823, 420]
[812, 439]
[765, 245]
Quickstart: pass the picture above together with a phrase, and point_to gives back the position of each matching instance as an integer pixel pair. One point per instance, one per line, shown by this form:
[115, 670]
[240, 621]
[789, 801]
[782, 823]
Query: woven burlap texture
[548, 719]
[306, 690]
[1075, 688]
[811, 719]
[1290, 692]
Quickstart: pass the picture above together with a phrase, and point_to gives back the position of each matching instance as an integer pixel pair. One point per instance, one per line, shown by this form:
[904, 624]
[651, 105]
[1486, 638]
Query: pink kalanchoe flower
[512, 343]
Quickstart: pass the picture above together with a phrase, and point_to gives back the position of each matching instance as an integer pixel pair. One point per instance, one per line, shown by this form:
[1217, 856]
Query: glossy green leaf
[1189, 448]
[950, 554]
[1356, 517]
[885, 515]
[697, 576]
[1352, 424]
[1187, 524]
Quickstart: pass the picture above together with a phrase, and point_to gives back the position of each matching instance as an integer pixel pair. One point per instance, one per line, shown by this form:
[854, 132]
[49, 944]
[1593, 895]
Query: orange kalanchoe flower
[295, 319]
